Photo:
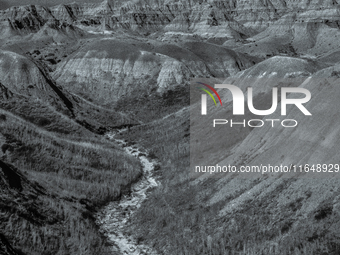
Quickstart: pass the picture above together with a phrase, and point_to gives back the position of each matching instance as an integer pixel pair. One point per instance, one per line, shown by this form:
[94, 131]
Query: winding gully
[112, 219]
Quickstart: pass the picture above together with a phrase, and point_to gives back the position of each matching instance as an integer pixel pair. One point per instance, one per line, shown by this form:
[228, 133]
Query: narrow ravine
[112, 219]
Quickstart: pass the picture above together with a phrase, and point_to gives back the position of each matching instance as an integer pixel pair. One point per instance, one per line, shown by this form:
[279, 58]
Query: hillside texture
[72, 72]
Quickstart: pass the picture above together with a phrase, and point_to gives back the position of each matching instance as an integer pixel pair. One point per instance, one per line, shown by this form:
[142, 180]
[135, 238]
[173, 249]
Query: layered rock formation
[194, 16]
[296, 26]
[311, 32]
[109, 69]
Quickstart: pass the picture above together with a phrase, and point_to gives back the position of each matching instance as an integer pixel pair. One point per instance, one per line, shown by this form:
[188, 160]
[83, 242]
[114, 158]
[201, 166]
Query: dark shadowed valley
[95, 127]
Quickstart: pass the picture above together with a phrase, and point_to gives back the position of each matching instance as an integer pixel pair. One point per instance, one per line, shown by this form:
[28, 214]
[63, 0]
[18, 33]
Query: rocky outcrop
[26, 19]
[40, 21]
[68, 13]
[311, 32]
[223, 19]
[58, 32]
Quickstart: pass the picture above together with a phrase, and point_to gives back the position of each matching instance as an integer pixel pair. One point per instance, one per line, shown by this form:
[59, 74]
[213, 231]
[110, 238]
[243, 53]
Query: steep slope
[31, 93]
[109, 69]
[220, 61]
[26, 19]
[24, 77]
[293, 144]
[282, 66]
[261, 215]
[47, 196]
[209, 19]
[57, 32]
[273, 72]
[331, 58]
[312, 32]
[66, 12]
[301, 209]
[36, 23]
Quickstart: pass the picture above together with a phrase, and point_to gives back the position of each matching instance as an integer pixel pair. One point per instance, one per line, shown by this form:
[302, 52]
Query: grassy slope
[79, 172]
[181, 217]
[53, 106]
[66, 171]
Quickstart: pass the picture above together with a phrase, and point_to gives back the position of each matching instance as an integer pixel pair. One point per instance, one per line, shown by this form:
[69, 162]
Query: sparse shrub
[3, 117]
[64, 169]
[336, 74]
[323, 212]
[43, 122]
[152, 155]
[6, 147]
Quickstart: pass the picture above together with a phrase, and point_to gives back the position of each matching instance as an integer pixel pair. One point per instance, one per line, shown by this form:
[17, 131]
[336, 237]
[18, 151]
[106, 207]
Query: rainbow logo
[208, 92]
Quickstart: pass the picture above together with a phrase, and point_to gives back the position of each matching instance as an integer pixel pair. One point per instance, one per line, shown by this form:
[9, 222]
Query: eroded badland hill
[72, 72]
